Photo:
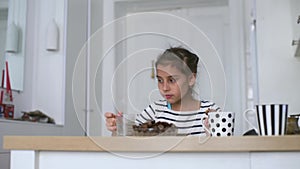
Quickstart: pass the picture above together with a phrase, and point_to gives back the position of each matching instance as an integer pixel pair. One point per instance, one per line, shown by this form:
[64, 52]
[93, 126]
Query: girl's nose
[166, 86]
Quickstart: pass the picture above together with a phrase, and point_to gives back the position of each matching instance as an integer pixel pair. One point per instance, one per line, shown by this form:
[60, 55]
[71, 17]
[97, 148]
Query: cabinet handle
[298, 21]
[295, 42]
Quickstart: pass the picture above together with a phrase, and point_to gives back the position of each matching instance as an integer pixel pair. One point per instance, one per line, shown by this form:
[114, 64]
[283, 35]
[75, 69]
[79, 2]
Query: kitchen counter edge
[154, 144]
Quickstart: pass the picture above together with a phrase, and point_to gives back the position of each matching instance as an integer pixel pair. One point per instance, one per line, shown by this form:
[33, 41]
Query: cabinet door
[275, 160]
[95, 160]
[4, 160]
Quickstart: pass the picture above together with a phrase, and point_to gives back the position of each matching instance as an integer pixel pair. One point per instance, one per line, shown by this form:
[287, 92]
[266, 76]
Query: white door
[139, 88]
[148, 36]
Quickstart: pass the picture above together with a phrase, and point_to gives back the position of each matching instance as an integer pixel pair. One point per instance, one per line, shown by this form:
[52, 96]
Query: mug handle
[247, 120]
[207, 130]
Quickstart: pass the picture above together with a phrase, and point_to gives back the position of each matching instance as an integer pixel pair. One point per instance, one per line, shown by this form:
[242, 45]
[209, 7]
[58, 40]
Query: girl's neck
[187, 103]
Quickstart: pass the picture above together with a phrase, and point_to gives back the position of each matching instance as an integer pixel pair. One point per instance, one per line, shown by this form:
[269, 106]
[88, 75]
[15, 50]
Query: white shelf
[28, 122]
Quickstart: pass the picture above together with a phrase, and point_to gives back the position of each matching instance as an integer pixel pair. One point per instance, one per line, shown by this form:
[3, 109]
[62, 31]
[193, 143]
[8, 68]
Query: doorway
[221, 80]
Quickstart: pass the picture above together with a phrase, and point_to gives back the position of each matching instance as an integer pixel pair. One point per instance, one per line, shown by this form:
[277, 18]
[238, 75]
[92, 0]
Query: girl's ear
[192, 79]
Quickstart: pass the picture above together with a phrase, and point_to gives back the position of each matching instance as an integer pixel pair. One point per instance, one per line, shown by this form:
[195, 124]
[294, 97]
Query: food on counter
[152, 128]
[37, 116]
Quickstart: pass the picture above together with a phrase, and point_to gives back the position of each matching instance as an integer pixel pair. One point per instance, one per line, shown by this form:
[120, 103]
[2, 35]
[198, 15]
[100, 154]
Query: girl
[176, 71]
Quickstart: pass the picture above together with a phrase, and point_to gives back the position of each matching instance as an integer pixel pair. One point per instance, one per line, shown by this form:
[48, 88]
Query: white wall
[278, 69]
[28, 100]
[108, 64]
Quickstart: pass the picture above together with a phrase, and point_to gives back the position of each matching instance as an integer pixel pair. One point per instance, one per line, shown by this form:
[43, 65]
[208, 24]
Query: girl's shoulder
[206, 102]
[160, 103]
[163, 104]
[209, 104]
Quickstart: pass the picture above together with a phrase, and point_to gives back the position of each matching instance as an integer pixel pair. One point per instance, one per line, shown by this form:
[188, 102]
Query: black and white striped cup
[271, 118]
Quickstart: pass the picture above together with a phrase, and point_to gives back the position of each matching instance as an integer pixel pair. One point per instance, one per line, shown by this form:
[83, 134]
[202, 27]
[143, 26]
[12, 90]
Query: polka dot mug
[221, 123]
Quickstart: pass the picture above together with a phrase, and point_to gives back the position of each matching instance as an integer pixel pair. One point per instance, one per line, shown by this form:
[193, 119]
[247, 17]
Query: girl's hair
[181, 58]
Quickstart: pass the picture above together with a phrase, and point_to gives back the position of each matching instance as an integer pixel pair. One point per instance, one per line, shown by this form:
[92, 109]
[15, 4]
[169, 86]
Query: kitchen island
[251, 152]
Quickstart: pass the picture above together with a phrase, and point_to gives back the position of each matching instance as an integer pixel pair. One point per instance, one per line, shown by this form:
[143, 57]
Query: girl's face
[172, 83]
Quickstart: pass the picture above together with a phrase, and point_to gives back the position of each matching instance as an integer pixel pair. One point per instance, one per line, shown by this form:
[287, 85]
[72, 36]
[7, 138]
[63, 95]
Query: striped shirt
[187, 122]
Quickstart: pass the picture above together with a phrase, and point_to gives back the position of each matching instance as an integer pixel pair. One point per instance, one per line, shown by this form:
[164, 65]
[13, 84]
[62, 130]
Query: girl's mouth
[168, 96]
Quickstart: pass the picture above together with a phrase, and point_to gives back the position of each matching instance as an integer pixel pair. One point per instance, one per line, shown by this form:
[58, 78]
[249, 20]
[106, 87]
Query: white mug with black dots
[221, 123]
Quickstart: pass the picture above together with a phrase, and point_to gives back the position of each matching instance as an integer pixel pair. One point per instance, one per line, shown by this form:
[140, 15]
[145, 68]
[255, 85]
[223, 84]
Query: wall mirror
[13, 17]
[3, 25]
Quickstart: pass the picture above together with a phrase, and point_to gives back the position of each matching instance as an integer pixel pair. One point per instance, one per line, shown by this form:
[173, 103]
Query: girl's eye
[159, 80]
[172, 80]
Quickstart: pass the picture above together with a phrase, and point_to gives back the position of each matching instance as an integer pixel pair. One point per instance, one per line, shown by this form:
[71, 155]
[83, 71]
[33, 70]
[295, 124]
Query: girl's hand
[206, 122]
[110, 121]
[206, 125]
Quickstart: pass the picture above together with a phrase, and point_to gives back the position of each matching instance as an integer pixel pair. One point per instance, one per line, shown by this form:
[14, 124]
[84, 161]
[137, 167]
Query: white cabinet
[175, 160]
[261, 152]
[275, 160]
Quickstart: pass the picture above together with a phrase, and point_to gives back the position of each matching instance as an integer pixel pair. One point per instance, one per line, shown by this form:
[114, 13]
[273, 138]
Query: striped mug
[271, 118]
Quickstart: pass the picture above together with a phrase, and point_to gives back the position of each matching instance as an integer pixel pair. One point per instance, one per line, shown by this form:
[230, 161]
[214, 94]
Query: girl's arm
[215, 108]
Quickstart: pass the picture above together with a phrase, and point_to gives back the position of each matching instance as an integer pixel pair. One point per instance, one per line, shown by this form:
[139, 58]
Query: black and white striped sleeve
[215, 107]
[148, 114]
